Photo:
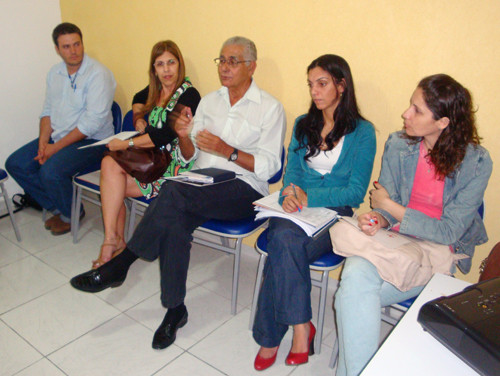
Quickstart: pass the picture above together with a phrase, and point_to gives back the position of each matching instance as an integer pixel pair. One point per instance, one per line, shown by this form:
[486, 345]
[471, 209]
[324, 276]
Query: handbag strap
[175, 97]
[173, 101]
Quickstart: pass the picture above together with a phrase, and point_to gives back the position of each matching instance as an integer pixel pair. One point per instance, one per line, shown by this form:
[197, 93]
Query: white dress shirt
[255, 124]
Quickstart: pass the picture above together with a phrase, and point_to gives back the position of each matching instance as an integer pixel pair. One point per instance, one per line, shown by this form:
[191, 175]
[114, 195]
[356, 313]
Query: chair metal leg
[323, 286]
[236, 275]
[76, 215]
[131, 220]
[11, 212]
[73, 199]
[256, 290]
[386, 316]
[335, 354]
[224, 241]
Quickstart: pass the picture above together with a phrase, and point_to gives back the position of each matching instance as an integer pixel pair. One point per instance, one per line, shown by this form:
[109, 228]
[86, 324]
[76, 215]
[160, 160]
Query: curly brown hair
[446, 97]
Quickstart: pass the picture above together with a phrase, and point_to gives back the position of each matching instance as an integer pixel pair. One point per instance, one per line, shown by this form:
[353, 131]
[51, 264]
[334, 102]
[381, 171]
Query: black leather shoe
[92, 281]
[166, 332]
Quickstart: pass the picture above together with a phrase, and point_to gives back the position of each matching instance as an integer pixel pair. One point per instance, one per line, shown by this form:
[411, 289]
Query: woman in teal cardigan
[330, 161]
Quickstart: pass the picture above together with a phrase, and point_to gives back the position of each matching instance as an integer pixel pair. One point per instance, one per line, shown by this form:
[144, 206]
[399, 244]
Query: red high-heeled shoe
[294, 359]
[260, 363]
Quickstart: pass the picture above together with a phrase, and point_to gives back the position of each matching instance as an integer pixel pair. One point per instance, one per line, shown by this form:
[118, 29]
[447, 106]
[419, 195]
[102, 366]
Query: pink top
[427, 192]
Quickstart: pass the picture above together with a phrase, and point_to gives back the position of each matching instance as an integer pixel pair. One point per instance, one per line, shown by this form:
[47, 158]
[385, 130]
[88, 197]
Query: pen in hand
[373, 220]
[295, 194]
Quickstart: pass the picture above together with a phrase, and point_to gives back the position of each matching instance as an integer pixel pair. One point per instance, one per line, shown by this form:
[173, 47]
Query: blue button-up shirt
[85, 105]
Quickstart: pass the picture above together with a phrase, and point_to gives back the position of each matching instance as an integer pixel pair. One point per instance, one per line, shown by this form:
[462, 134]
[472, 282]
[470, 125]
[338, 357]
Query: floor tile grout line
[126, 312]
[83, 334]
[24, 339]
[210, 365]
[32, 299]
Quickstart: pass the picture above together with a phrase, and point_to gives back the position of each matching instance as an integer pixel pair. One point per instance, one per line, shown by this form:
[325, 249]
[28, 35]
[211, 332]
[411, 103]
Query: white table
[408, 350]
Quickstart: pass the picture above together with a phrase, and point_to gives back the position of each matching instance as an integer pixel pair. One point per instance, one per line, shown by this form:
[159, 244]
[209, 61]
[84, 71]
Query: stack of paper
[120, 136]
[311, 220]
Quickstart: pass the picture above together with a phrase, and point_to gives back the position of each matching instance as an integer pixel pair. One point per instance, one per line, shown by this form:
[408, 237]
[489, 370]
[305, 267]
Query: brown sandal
[115, 252]
[100, 261]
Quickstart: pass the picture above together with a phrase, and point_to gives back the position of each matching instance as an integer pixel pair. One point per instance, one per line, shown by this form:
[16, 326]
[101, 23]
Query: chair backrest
[277, 176]
[128, 122]
[481, 210]
[116, 111]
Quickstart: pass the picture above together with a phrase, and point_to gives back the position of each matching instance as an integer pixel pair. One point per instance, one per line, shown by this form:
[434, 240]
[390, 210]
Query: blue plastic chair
[116, 112]
[128, 122]
[225, 230]
[88, 180]
[325, 264]
[3, 178]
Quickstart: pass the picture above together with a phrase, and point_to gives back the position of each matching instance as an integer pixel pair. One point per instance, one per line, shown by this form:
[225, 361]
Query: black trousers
[167, 227]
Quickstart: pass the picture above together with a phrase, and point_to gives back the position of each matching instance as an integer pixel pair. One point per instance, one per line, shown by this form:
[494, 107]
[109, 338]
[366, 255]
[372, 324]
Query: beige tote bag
[406, 266]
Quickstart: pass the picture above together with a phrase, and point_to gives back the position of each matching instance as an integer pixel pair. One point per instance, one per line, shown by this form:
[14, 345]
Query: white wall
[27, 54]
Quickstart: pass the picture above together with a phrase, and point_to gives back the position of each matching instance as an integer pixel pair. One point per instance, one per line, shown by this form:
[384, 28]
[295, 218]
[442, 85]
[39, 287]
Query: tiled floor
[48, 328]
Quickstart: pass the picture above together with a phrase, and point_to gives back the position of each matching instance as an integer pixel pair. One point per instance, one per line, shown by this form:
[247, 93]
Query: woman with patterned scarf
[168, 89]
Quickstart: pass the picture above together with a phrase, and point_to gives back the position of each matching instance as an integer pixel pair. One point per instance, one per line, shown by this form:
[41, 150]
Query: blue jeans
[50, 184]
[358, 302]
[285, 294]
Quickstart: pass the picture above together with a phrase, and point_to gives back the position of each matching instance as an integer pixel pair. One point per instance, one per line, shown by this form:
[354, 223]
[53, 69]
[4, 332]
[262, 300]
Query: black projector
[468, 324]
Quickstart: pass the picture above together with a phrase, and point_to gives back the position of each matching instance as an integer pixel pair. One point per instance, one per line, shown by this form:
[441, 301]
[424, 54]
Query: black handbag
[144, 164]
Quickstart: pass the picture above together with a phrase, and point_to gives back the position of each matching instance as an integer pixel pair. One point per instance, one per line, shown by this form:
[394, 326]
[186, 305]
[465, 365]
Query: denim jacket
[460, 225]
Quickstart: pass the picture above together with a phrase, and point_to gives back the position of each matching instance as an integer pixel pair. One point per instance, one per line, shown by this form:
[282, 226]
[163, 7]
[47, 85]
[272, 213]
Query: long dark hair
[346, 114]
[446, 97]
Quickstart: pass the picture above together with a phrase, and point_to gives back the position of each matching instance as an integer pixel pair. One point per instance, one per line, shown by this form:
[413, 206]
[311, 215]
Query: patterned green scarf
[158, 115]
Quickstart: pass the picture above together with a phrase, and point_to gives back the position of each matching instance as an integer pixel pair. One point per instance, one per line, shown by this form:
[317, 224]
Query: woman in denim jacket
[330, 161]
[432, 182]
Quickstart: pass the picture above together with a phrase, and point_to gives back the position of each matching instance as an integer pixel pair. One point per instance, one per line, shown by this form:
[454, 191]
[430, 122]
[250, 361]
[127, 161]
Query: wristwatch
[131, 143]
[234, 155]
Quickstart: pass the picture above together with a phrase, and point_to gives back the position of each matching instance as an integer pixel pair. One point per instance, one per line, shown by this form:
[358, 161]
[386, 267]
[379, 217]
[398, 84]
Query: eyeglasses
[161, 64]
[231, 62]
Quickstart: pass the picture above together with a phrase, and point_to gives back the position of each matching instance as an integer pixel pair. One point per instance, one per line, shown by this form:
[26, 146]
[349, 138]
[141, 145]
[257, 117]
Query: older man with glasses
[239, 127]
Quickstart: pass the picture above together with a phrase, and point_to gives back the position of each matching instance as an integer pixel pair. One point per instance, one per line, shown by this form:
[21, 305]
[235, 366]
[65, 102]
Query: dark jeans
[285, 295]
[50, 184]
[167, 227]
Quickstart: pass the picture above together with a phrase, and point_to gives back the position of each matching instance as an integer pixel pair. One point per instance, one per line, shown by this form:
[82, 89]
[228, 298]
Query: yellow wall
[389, 44]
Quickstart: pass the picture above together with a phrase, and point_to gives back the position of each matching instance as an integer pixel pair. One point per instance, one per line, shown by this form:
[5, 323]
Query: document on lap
[204, 176]
[312, 220]
[121, 136]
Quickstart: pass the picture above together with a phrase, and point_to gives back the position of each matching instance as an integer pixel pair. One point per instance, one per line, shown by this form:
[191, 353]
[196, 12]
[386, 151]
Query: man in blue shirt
[76, 112]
